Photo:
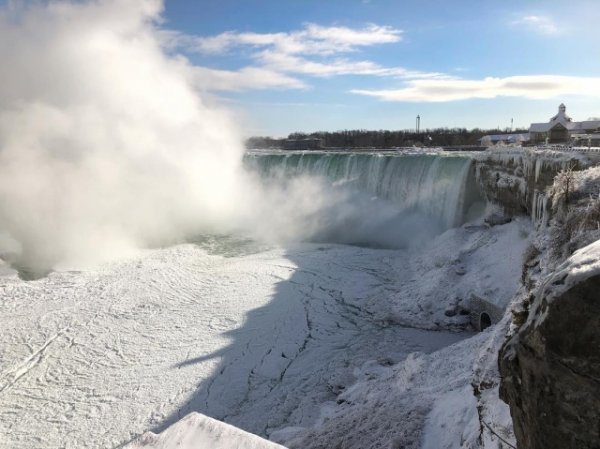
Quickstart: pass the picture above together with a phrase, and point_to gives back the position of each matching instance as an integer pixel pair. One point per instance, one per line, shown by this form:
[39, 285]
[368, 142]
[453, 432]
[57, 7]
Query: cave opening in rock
[484, 321]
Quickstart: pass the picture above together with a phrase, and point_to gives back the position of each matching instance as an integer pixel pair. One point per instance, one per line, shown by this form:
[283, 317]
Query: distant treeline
[361, 138]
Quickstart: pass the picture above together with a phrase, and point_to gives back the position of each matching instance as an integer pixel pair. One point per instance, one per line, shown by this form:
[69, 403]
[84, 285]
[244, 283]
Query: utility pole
[418, 127]
[511, 125]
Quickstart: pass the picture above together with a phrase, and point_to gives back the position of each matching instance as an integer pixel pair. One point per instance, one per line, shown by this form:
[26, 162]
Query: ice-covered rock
[497, 219]
[514, 178]
[551, 366]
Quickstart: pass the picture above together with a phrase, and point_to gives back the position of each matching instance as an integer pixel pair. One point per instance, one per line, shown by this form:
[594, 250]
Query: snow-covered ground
[199, 431]
[300, 343]
[463, 262]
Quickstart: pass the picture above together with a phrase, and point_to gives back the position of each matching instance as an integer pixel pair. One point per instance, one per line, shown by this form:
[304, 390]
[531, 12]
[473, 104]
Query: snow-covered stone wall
[516, 179]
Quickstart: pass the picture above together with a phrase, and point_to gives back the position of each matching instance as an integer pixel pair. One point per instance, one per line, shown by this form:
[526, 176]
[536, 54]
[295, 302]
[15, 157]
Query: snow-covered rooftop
[566, 121]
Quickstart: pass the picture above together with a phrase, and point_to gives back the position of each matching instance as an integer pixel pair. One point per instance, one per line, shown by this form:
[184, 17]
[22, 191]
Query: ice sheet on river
[268, 342]
[260, 341]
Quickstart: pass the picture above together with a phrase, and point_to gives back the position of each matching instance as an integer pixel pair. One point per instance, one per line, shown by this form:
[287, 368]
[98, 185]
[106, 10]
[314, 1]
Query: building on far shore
[562, 129]
[504, 139]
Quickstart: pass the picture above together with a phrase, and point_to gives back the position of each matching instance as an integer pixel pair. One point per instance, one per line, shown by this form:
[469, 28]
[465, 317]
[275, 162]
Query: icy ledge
[582, 265]
[197, 431]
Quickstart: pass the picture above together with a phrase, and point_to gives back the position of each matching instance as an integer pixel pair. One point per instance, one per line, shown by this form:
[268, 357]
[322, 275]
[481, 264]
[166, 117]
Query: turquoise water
[441, 187]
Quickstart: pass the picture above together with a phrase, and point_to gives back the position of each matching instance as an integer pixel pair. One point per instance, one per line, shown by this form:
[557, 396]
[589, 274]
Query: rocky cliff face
[550, 365]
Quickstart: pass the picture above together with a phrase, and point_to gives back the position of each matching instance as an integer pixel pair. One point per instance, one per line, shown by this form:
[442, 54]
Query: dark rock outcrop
[551, 368]
[497, 219]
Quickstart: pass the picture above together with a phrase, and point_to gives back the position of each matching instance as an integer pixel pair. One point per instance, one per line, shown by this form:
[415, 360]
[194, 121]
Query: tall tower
[418, 127]
[562, 114]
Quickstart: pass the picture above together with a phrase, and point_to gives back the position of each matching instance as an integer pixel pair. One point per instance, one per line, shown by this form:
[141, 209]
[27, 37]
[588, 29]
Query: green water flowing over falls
[442, 187]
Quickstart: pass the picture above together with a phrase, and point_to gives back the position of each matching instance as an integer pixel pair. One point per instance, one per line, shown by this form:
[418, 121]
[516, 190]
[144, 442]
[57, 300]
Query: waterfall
[439, 186]
[540, 209]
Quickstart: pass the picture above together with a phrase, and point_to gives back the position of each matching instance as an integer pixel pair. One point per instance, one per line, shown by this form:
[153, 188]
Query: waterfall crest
[441, 187]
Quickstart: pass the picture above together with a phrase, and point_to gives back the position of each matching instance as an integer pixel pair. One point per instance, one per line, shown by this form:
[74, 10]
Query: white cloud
[243, 79]
[295, 64]
[541, 24]
[312, 39]
[283, 62]
[532, 86]
[314, 50]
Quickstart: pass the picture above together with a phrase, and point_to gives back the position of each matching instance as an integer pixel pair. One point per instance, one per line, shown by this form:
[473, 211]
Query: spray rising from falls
[105, 145]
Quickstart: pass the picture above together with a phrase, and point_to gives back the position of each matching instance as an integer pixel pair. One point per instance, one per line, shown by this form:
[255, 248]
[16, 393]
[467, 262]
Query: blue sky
[306, 65]
[313, 73]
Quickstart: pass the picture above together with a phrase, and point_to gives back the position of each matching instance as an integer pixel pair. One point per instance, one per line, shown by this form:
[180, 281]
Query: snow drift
[198, 431]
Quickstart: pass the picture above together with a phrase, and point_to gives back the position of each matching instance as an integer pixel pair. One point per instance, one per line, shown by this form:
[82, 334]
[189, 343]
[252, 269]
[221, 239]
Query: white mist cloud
[311, 208]
[530, 86]
[104, 144]
[541, 24]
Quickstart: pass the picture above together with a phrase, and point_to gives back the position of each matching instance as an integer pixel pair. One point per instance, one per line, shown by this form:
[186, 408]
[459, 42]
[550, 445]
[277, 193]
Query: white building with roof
[504, 139]
[561, 128]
